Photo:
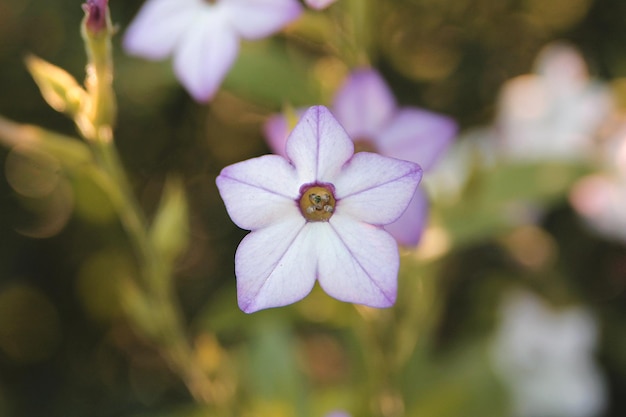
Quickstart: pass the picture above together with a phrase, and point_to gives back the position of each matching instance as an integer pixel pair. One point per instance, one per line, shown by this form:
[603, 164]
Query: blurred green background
[65, 348]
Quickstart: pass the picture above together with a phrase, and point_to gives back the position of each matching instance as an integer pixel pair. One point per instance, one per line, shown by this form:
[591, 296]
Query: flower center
[317, 202]
[211, 1]
[364, 145]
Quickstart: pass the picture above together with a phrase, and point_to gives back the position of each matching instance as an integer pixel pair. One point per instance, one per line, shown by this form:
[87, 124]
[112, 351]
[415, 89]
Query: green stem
[155, 280]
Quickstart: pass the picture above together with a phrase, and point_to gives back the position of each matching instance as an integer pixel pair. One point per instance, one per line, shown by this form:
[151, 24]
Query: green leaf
[60, 90]
[269, 72]
[71, 152]
[170, 230]
[506, 196]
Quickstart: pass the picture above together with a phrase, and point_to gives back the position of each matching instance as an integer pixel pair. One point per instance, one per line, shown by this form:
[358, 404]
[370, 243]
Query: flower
[366, 108]
[319, 4]
[338, 413]
[600, 198]
[317, 214]
[554, 113]
[203, 35]
[546, 359]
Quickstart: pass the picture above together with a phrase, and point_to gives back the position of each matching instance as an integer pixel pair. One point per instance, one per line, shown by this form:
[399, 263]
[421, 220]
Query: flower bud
[96, 16]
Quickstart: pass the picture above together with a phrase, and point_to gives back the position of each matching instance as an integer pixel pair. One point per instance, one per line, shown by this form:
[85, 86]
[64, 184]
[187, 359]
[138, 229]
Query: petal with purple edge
[276, 265]
[205, 54]
[378, 198]
[364, 104]
[408, 228]
[259, 191]
[417, 135]
[358, 263]
[254, 19]
[158, 27]
[318, 146]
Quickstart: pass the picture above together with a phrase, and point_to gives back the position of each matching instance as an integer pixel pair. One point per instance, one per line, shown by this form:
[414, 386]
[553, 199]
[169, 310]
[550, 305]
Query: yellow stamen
[317, 203]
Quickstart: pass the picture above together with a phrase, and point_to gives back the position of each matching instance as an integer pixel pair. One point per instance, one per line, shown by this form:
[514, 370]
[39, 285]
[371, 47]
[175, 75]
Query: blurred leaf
[267, 71]
[506, 196]
[94, 201]
[459, 384]
[274, 374]
[60, 90]
[99, 281]
[170, 229]
[191, 410]
[71, 153]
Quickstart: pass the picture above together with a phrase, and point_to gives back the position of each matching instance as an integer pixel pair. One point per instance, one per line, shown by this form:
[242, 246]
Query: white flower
[203, 35]
[317, 215]
[600, 198]
[556, 112]
[546, 359]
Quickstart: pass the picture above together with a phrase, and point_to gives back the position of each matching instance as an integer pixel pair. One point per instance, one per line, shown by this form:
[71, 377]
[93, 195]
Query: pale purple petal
[159, 26]
[278, 127]
[562, 67]
[254, 19]
[410, 225]
[375, 189]
[364, 104]
[358, 263]
[276, 265]
[319, 4]
[318, 146]
[259, 191]
[417, 135]
[205, 54]
[276, 131]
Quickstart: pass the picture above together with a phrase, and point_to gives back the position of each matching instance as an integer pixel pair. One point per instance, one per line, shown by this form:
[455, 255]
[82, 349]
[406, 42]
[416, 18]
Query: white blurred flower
[554, 113]
[203, 36]
[545, 357]
[601, 198]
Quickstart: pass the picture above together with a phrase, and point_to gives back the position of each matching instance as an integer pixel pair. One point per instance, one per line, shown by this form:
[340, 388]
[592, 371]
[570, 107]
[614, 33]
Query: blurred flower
[546, 359]
[601, 198]
[317, 215]
[203, 35]
[319, 4]
[556, 112]
[337, 413]
[366, 108]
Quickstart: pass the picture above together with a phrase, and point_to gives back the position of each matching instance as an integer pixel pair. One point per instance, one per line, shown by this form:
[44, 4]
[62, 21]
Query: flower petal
[408, 229]
[417, 135]
[206, 53]
[319, 4]
[375, 189]
[275, 266]
[318, 146]
[364, 104]
[276, 130]
[158, 27]
[278, 127]
[254, 19]
[358, 263]
[259, 191]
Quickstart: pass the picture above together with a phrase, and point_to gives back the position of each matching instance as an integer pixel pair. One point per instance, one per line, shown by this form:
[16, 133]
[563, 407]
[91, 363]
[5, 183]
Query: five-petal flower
[366, 108]
[317, 214]
[203, 35]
